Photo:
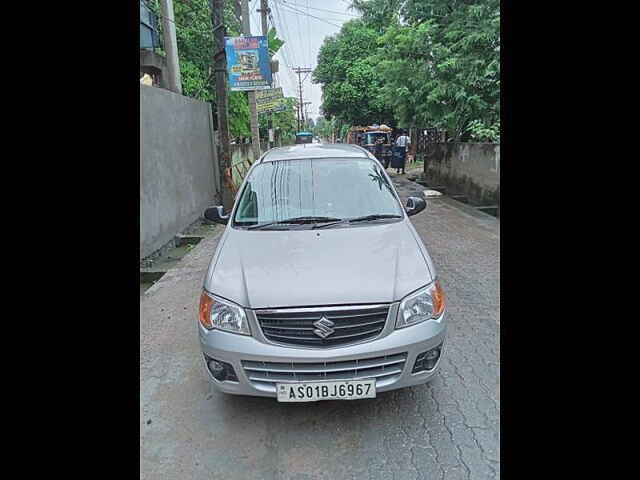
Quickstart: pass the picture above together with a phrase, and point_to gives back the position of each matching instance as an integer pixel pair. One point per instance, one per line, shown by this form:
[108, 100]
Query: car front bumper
[235, 349]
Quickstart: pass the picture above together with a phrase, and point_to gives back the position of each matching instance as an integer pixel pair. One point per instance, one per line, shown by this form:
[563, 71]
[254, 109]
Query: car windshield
[315, 190]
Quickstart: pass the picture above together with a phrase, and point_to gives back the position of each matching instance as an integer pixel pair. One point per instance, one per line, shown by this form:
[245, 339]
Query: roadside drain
[489, 209]
[153, 267]
[156, 268]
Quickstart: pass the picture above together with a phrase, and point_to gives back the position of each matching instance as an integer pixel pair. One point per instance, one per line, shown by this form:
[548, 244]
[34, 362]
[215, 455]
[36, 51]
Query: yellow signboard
[270, 100]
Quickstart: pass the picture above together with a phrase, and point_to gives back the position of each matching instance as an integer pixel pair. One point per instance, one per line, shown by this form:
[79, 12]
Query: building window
[148, 27]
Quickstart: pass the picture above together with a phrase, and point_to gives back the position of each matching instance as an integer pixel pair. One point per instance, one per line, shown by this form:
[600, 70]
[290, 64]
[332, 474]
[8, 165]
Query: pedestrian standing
[403, 142]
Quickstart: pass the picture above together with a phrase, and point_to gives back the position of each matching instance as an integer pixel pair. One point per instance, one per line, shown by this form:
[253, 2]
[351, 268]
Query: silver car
[320, 287]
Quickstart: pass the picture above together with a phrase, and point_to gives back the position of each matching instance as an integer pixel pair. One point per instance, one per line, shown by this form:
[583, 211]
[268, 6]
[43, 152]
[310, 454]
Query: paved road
[448, 429]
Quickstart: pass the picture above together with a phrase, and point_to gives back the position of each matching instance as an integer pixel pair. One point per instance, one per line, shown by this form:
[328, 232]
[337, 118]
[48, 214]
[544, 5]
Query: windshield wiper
[366, 218]
[295, 220]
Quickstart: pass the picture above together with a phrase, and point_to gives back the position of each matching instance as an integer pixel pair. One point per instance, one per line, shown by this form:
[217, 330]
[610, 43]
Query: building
[150, 62]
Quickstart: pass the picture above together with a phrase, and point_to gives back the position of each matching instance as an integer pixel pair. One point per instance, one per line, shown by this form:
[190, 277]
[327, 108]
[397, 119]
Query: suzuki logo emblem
[323, 327]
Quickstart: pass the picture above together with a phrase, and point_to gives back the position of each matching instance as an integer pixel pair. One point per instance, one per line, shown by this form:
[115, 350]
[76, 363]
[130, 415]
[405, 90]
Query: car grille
[385, 370]
[349, 325]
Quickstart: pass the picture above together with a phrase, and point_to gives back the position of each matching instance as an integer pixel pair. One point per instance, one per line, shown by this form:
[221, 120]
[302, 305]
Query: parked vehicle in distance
[304, 137]
[376, 139]
[320, 287]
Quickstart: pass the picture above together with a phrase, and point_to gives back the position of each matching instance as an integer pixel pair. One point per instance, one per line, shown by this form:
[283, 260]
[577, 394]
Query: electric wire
[287, 7]
[284, 29]
[286, 32]
[299, 33]
[308, 37]
[254, 16]
[287, 2]
[285, 51]
[299, 12]
[292, 53]
[288, 49]
[284, 35]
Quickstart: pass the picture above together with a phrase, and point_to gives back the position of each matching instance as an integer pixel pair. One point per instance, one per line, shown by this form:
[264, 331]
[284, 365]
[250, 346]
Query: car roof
[315, 150]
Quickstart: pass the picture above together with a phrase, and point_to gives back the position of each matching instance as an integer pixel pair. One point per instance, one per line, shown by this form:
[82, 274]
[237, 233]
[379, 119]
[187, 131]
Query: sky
[303, 25]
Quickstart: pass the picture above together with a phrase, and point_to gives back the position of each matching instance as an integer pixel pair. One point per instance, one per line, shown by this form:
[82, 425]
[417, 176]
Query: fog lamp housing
[221, 371]
[427, 361]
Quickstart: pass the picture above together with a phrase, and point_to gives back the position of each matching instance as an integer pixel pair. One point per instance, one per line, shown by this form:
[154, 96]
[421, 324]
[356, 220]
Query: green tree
[322, 128]
[194, 34]
[284, 123]
[273, 41]
[351, 81]
[310, 124]
[422, 62]
[442, 67]
[377, 14]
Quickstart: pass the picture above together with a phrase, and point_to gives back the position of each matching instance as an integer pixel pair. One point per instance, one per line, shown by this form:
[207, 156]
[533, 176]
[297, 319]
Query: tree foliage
[196, 44]
[324, 128]
[376, 14]
[274, 43]
[351, 82]
[284, 123]
[426, 63]
[310, 124]
[443, 67]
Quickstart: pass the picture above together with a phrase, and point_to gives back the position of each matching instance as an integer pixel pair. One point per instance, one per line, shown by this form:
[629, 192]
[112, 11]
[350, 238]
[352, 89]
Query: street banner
[271, 100]
[248, 63]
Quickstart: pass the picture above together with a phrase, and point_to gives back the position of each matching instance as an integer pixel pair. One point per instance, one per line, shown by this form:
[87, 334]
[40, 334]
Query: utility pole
[298, 113]
[171, 46]
[306, 112]
[222, 102]
[300, 71]
[264, 11]
[253, 112]
[237, 10]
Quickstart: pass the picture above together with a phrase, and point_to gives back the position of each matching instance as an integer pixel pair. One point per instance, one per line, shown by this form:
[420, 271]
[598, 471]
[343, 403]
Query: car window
[336, 188]
[373, 137]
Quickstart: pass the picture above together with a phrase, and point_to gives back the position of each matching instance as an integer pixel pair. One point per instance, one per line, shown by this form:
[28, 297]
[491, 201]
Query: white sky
[303, 35]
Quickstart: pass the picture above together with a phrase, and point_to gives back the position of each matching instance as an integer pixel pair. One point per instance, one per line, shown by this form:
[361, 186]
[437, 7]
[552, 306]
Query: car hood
[376, 263]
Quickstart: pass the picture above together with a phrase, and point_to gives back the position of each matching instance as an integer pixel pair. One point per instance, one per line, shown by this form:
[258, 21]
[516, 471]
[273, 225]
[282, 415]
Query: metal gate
[426, 140]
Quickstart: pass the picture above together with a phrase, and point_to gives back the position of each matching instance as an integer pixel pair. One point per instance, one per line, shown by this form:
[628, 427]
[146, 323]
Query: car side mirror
[216, 214]
[415, 205]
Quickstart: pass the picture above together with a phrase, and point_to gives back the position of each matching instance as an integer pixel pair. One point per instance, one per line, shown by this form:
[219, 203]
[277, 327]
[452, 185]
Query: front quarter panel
[423, 249]
[214, 259]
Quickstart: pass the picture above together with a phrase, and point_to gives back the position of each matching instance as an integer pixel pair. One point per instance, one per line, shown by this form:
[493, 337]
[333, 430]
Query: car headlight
[222, 314]
[425, 304]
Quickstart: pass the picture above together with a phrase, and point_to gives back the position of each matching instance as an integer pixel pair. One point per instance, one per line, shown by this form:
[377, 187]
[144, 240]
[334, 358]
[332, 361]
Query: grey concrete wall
[241, 161]
[178, 165]
[471, 169]
[241, 152]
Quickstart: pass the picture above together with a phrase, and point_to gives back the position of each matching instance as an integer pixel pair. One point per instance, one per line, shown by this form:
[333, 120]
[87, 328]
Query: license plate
[314, 391]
